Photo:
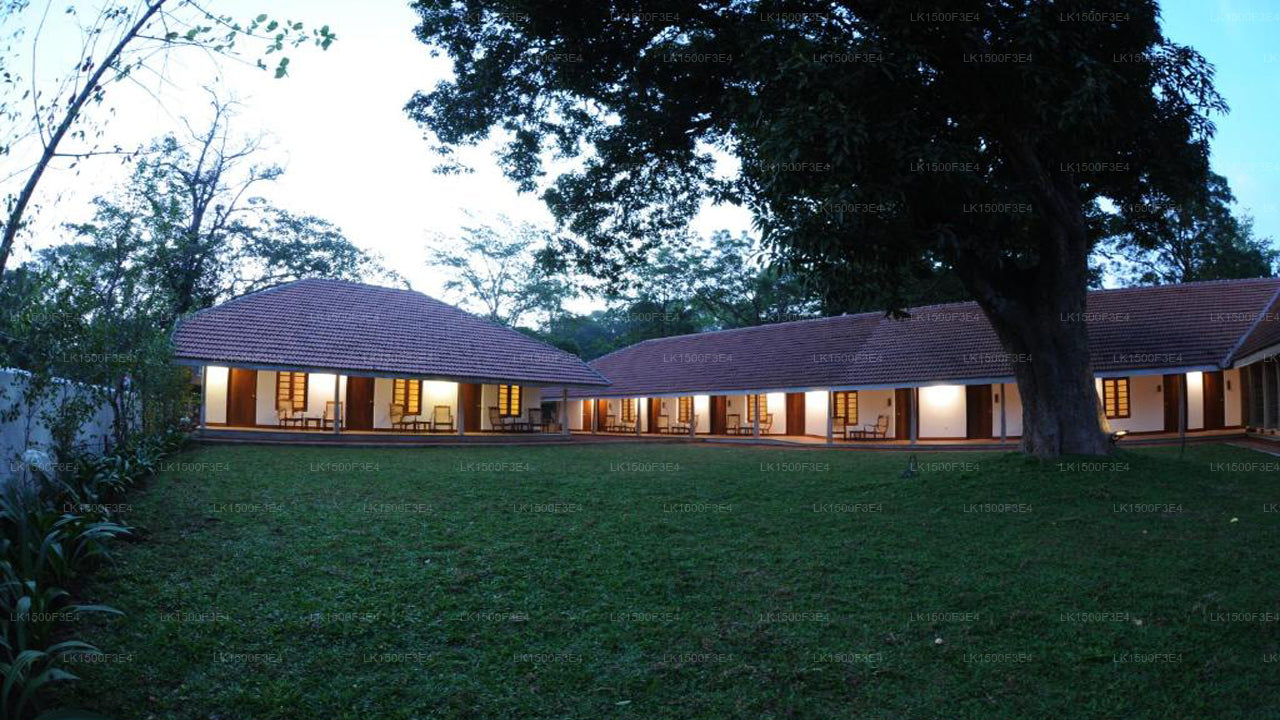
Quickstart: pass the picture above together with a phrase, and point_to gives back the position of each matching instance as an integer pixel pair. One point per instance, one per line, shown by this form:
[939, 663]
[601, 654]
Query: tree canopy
[876, 143]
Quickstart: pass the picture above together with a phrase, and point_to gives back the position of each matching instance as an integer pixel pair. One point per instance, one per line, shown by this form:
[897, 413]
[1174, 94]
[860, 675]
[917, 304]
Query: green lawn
[643, 581]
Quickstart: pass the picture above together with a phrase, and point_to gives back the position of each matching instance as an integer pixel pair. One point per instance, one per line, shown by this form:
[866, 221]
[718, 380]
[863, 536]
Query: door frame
[795, 413]
[902, 413]
[980, 415]
[1171, 390]
[253, 396]
[349, 421]
[1215, 400]
[719, 414]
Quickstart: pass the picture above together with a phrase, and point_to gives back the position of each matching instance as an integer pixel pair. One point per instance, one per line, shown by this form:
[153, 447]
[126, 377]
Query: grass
[692, 582]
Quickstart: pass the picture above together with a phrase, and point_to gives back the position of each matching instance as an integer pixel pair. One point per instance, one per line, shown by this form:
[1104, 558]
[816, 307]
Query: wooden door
[795, 413]
[586, 414]
[1172, 391]
[719, 414]
[655, 409]
[242, 398]
[902, 413]
[1215, 401]
[977, 411]
[469, 401]
[359, 409]
[602, 414]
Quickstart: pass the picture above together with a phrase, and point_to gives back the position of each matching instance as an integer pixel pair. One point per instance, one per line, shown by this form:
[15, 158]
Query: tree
[199, 232]
[122, 43]
[872, 136]
[1198, 240]
[502, 270]
[738, 287]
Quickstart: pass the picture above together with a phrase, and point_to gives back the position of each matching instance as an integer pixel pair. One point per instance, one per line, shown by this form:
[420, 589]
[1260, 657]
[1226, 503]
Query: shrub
[52, 530]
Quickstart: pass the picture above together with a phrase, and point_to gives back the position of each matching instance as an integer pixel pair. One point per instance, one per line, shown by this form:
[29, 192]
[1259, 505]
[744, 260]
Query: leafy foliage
[1199, 240]
[51, 531]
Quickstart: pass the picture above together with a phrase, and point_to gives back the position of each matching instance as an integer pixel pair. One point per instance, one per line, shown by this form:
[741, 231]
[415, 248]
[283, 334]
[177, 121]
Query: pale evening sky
[353, 156]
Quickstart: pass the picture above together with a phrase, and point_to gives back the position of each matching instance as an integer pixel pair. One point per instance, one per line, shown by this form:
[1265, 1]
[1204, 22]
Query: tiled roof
[1265, 334]
[1130, 329]
[337, 325]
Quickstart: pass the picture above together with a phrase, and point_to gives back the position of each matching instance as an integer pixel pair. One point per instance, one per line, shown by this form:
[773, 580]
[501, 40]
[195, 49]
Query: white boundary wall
[30, 429]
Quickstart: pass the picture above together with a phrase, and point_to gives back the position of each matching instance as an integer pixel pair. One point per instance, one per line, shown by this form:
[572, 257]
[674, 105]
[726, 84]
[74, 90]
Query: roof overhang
[993, 380]
[357, 372]
[1257, 356]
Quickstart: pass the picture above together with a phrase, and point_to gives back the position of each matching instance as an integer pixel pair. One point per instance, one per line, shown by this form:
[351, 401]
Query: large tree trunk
[1039, 314]
[1047, 339]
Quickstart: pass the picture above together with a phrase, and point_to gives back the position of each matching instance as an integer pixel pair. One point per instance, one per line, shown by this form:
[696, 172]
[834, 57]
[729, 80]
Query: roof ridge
[1248, 333]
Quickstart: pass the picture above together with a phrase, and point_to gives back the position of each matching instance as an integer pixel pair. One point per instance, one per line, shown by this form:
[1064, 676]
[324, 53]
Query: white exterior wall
[1231, 391]
[215, 410]
[702, 408]
[872, 404]
[1011, 399]
[942, 411]
[815, 413]
[28, 429]
[1146, 404]
[575, 415]
[776, 405]
[1195, 401]
[265, 403]
[530, 397]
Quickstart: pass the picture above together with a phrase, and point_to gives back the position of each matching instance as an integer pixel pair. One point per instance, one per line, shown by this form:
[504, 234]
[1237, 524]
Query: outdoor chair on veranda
[442, 419]
[879, 430]
[733, 424]
[401, 421]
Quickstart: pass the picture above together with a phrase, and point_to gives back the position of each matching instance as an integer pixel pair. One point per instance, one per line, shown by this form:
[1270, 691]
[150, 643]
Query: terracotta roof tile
[1130, 329]
[332, 324]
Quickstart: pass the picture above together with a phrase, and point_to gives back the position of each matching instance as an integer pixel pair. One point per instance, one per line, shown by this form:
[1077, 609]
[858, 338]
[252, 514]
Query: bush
[51, 531]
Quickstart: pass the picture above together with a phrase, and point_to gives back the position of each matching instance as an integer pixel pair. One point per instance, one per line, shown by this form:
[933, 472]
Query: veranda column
[915, 414]
[1182, 406]
[1004, 400]
[204, 395]
[337, 404]
[755, 421]
[462, 411]
[564, 411]
[1275, 390]
[595, 415]
[831, 404]
[638, 404]
[1266, 395]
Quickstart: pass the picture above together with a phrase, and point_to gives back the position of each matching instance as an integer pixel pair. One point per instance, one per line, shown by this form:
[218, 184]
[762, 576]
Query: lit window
[846, 407]
[754, 401]
[291, 391]
[1115, 397]
[408, 395]
[509, 400]
[628, 410]
[686, 410]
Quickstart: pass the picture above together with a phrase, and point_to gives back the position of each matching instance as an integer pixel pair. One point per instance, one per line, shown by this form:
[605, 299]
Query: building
[1197, 357]
[296, 356]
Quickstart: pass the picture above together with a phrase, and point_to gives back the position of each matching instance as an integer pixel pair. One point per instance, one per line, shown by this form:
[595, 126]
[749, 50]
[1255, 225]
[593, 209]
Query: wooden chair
[442, 419]
[330, 412]
[839, 429]
[611, 423]
[287, 416]
[495, 419]
[400, 421]
[766, 423]
[664, 424]
[879, 430]
[679, 427]
[536, 420]
[733, 424]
